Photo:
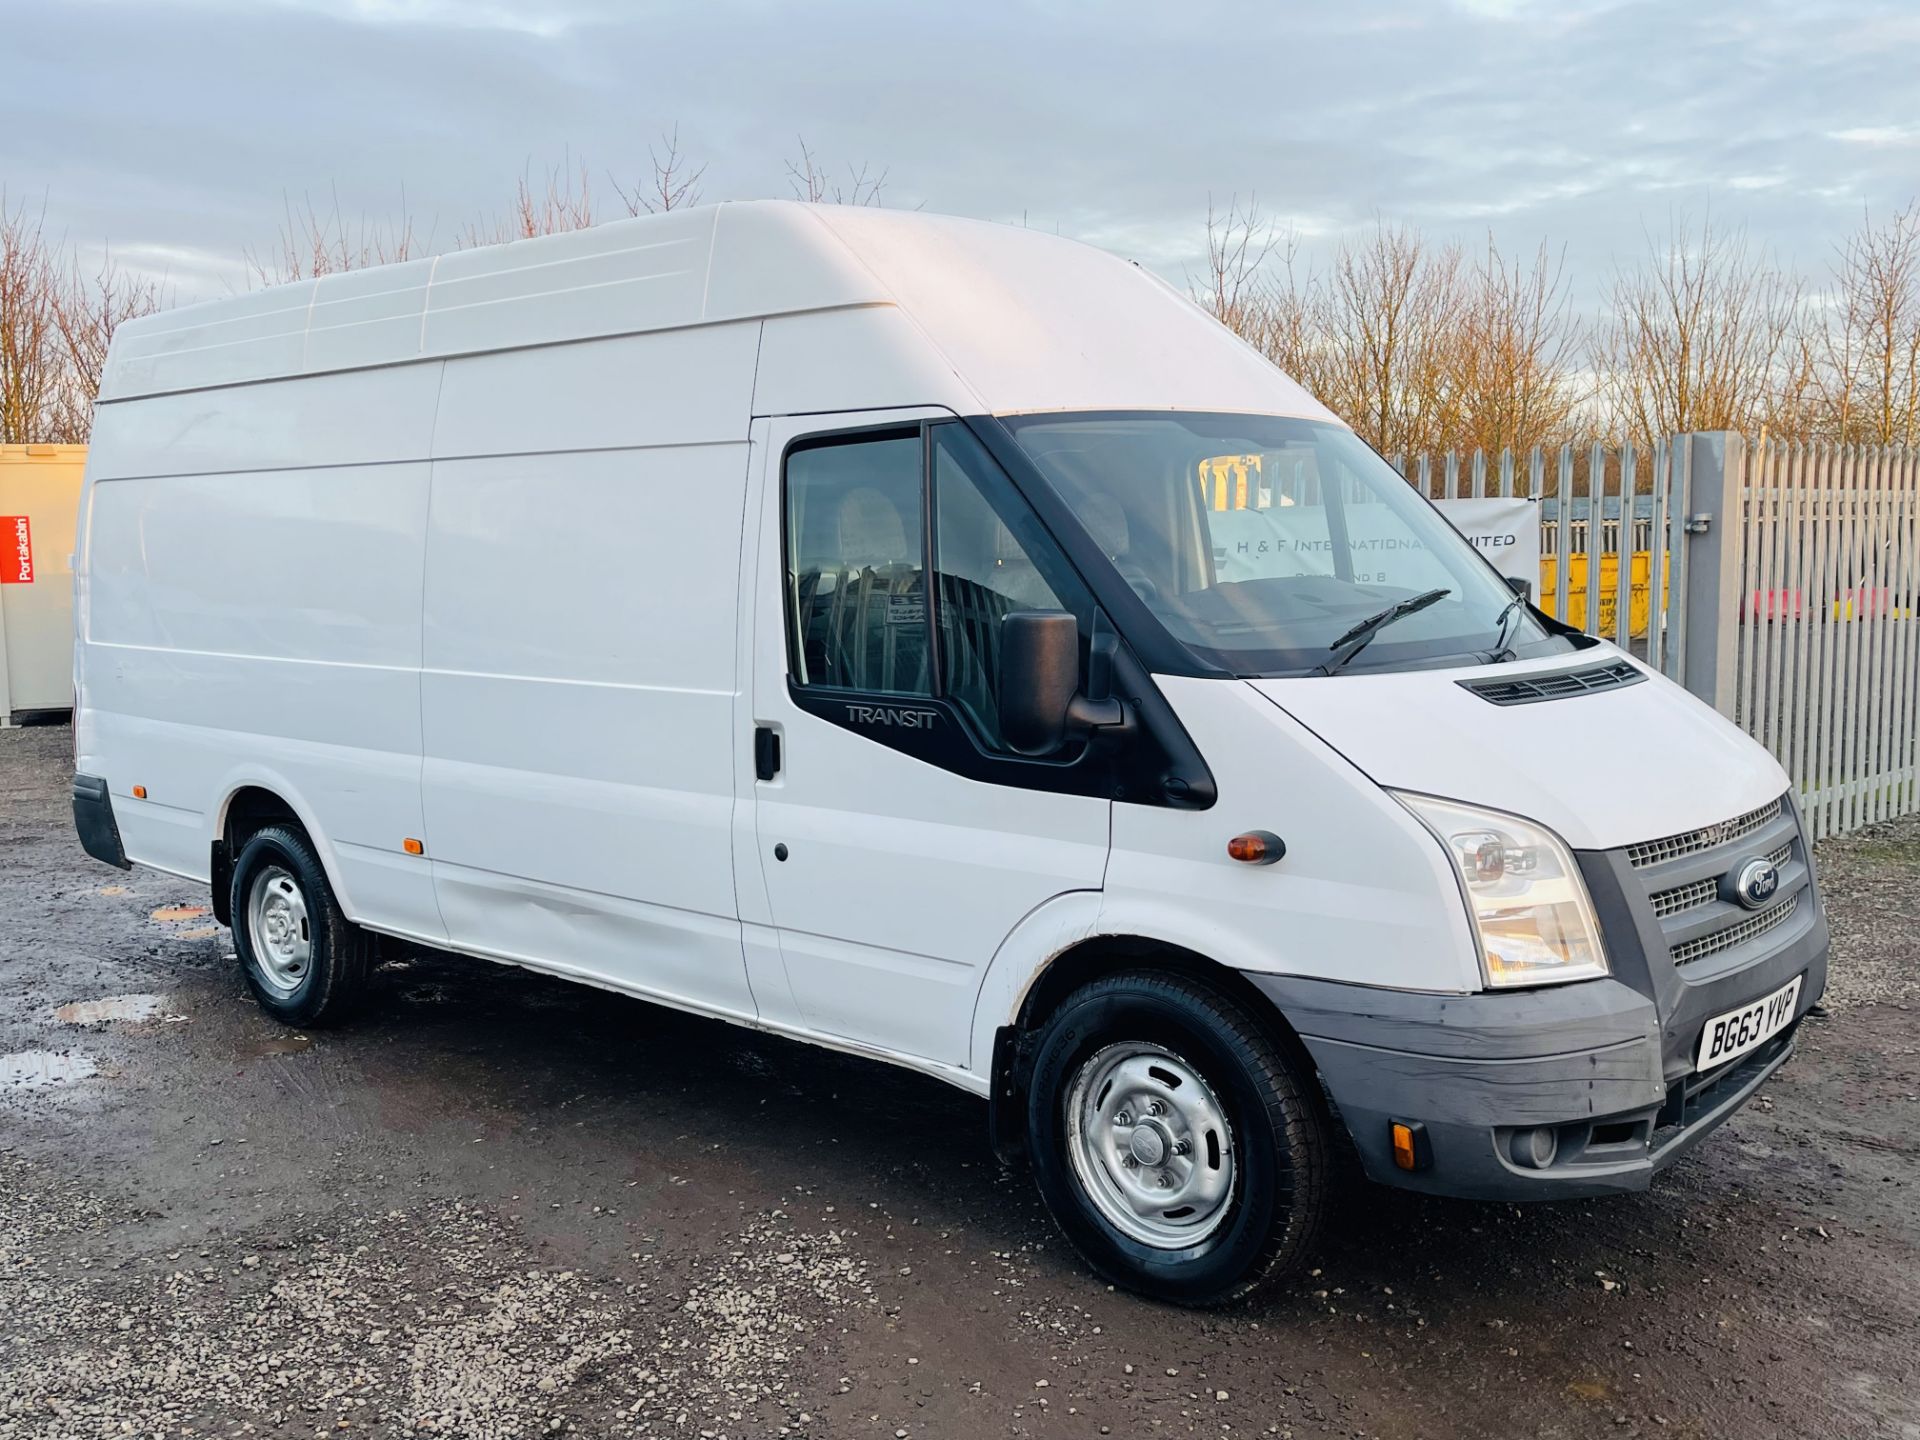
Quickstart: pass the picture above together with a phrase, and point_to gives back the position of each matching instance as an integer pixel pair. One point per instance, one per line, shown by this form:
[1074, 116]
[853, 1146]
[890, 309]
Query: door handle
[766, 752]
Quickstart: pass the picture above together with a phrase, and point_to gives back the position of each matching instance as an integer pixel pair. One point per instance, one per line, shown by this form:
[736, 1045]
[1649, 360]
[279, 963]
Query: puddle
[180, 912]
[199, 932]
[111, 890]
[40, 1069]
[126, 1009]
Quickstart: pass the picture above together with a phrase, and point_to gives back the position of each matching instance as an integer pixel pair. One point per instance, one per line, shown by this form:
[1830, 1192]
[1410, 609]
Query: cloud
[178, 129]
[1880, 136]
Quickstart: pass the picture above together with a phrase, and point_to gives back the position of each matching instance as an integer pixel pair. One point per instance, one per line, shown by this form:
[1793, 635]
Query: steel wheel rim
[279, 929]
[1150, 1145]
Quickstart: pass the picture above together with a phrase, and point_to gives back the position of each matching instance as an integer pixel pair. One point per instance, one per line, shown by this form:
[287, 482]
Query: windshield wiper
[1500, 651]
[1356, 638]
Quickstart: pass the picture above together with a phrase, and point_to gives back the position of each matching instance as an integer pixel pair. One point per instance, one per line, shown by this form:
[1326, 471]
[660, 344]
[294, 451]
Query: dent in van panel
[663, 951]
[595, 788]
[870, 358]
[589, 824]
[218, 343]
[367, 317]
[579, 652]
[673, 388]
[361, 417]
[607, 280]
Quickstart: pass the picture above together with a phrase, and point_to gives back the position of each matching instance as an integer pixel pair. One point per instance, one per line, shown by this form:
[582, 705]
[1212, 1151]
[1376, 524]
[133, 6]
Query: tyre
[305, 962]
[1179, 1145]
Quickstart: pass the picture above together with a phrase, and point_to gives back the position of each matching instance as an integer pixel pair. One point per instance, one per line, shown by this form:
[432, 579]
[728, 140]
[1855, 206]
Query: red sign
[16, 550]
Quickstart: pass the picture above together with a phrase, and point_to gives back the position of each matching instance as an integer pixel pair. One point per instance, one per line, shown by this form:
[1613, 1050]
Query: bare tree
[313, 243]
[1388, 310]
[30, 358]
[1515, 351]
[675, 184]
[561, 202]
[87, 309]
[814, 183]
[1698, 337]
[1866, 365]
[1235, 290]
[56, 321]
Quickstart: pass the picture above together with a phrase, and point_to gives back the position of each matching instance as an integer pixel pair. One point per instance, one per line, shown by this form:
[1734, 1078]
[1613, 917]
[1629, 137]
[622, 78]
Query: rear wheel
[1178, 1144]
[305, 962]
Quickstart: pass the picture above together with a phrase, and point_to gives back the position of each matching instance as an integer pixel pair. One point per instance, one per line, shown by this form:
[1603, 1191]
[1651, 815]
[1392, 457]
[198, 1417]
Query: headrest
[1106, 523]
[870, 529]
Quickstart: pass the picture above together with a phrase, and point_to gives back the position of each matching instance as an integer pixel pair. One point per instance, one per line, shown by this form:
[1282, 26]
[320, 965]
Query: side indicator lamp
[413, 846]
[1257, 847]
[1411, 1148]
[139, 792]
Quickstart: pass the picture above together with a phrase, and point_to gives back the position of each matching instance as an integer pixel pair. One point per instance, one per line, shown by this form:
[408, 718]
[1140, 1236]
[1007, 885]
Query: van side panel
[579, 675]
[248, 622]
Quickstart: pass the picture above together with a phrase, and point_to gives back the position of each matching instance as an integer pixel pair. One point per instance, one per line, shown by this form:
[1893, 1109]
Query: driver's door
[898, 839]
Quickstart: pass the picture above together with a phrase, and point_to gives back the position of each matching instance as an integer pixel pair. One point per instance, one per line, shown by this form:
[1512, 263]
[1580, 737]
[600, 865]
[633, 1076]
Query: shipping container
[39, 502]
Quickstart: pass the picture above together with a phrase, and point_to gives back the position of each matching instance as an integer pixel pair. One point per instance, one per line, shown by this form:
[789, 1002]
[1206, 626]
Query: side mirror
[1040, 700]
[1520, 586]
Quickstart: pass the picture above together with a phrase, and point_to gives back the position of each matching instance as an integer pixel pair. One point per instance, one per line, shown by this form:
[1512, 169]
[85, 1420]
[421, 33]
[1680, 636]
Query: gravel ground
[502, 1206]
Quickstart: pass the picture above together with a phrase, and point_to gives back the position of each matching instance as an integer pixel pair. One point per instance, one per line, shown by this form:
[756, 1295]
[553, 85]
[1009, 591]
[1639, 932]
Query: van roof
[1024, 320]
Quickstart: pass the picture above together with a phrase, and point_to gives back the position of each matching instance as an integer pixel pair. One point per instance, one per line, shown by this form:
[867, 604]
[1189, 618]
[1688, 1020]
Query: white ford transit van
[942, 642]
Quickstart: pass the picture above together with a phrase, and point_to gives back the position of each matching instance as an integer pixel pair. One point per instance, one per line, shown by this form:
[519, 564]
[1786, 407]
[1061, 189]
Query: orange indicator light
[413, 846]
[1257, 847]
[1403, 1155]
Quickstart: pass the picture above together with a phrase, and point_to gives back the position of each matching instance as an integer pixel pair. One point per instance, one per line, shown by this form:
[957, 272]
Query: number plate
[1731, 1035]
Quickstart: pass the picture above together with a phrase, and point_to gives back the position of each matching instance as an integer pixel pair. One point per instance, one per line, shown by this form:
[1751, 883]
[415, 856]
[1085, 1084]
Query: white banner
[1507, 532]
[1293, 540]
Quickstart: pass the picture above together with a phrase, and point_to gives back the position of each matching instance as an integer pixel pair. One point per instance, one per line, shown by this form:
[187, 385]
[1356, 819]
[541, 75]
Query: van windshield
[1259, 542]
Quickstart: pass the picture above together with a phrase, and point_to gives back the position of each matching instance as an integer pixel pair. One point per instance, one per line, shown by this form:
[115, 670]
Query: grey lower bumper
[93, 819]
[1586, 1062]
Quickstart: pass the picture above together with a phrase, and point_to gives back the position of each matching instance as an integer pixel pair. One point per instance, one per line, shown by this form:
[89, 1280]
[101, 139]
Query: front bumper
[1606, 1065]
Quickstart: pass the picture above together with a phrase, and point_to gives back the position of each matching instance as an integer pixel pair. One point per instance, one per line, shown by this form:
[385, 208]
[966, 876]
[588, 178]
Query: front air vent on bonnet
[1555, 685]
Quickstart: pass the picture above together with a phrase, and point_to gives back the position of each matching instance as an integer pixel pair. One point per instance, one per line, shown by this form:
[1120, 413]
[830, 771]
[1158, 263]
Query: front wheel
[1178, 1145]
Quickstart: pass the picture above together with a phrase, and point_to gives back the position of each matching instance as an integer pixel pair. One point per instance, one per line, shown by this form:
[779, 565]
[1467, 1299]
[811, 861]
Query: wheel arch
[1085, 959]
[250, 801]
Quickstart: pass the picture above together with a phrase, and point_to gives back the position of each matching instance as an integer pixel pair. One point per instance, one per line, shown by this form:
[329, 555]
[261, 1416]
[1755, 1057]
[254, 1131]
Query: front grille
[1683, 878]
[1655, 852]
[1560, 684]
[1748, 929]
[1695, 893]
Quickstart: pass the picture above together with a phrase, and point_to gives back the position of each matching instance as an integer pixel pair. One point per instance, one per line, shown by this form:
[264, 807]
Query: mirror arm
[1109, 714]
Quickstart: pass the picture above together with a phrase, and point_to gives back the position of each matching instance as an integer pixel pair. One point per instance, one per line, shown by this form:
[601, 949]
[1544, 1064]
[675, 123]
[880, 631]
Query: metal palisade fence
[1600, 506]
[1827, 639]
[1784, 589]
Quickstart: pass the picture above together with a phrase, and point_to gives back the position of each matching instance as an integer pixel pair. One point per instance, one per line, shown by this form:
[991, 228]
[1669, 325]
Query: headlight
[1530, 910]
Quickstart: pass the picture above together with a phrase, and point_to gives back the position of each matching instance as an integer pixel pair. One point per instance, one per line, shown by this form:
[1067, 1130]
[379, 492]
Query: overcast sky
[174, 128]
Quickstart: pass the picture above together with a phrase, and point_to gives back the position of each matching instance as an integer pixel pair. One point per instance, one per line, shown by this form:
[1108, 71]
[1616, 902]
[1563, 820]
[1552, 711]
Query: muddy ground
[502, 1206]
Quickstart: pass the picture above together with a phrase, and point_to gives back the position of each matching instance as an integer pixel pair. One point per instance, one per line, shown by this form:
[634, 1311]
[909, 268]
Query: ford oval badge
[1755, 882]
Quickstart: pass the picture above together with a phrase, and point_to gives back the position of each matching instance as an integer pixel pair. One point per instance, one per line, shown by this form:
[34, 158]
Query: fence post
[1712, 530]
